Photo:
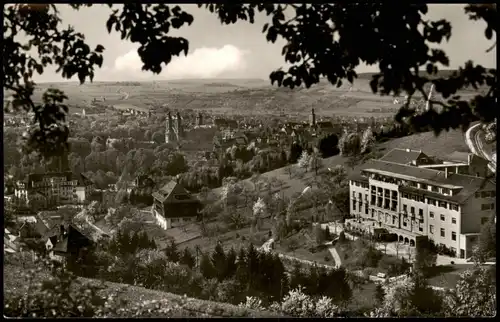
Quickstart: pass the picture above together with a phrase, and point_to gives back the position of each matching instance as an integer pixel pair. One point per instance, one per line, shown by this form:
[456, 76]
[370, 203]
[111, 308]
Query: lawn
[447, 276]
[321, 256]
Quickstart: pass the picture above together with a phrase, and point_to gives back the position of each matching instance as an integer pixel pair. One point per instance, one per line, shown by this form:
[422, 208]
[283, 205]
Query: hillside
[235, 96]
[180, 306]
[441, 146]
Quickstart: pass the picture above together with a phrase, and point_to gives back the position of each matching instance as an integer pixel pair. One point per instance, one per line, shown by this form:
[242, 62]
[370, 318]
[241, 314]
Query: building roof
[469, 184]
[324, 125]
[402, 156]
[37, 177]
[124, 107]
[458, 156]
[73, 239]
[170, 190]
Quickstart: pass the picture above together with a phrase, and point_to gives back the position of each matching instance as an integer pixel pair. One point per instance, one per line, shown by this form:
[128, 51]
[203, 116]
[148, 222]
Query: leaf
[176, 23]
[99, 49]
[266, 25]
[109, 24]
[488, 33]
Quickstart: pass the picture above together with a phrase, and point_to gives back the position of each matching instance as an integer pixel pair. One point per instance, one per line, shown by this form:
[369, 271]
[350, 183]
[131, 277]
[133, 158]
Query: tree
[231, 265]
[425, 257]
[405, 61]
[187, 258]
[172, 252]
[206, 267]
[219, 262]
[487, 240]
[474, 295]
[379, 294]
[303, 161]
[367, 140]
[315, 163]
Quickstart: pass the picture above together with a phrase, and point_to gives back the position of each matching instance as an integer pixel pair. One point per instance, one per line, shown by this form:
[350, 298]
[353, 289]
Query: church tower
[180, 130]
[169, 129]
[312, 119]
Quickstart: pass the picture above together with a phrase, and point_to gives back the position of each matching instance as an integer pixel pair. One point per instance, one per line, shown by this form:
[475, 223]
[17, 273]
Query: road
[476, 145]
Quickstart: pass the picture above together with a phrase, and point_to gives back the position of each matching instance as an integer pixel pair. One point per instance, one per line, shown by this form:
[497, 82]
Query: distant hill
[237, 96]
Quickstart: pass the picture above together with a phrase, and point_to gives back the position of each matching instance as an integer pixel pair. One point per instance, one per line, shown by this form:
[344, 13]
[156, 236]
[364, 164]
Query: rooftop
[469, 184]
[402, 156]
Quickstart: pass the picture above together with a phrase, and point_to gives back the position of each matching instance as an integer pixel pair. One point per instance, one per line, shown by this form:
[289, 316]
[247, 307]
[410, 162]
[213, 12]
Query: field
[233, 96]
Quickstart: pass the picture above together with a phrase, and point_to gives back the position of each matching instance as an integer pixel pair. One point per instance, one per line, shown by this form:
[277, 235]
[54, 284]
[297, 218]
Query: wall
[472, 213]
[447, 225]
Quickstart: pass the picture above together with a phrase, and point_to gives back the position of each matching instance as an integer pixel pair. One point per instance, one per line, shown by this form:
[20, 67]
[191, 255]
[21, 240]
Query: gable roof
[167, 192]
[468, 183]
[73, 239]
[402, 156]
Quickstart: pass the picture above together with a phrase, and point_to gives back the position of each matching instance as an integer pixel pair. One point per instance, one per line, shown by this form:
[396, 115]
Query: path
[475, 144]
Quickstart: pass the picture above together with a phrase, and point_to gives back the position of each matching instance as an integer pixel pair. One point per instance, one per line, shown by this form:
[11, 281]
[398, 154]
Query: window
[394, 195]
[432, 202]
[421, 229]
[442, 217]
[442, 232]
[477, 194]
[366, 209]
[423, 186]
[413, 210]
[487, 206]
[420, 212]
[359, 196]
[484, 220]
[373, 213]
[431, 229]
[493, 194]
[434, 189]
[405, 208]
[453, 220]
[443, 204]
[393, 220]
[453, 235]
[431, 214]
[404, 223]
[484, 194]
[454, 207]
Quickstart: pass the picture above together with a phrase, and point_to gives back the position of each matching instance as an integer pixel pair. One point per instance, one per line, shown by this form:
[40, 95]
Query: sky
[241, 50]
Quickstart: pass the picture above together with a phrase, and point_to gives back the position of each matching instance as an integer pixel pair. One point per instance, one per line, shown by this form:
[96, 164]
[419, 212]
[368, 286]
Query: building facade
[412, 201]
[52, 189]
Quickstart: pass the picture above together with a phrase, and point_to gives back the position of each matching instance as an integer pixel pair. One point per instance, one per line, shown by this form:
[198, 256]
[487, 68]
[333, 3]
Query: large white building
[52, 189]
[402, 194]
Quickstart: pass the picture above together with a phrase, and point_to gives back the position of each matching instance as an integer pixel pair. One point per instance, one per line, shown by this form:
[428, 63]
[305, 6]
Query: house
[68, 241]
[225, 123]
[413, 201]
[40, 191]
[174, 206]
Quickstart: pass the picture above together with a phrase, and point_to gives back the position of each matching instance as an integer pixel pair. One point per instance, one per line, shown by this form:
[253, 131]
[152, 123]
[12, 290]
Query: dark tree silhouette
[365, 34]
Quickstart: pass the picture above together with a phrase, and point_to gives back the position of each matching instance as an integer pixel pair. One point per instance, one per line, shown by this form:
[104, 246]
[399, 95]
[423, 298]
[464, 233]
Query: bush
[327, 258]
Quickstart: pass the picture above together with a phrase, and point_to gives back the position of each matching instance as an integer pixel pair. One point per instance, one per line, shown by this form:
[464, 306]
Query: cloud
[205, 62]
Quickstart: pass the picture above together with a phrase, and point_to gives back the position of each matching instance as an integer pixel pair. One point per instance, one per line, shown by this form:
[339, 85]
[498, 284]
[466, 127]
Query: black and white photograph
[249, 160]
